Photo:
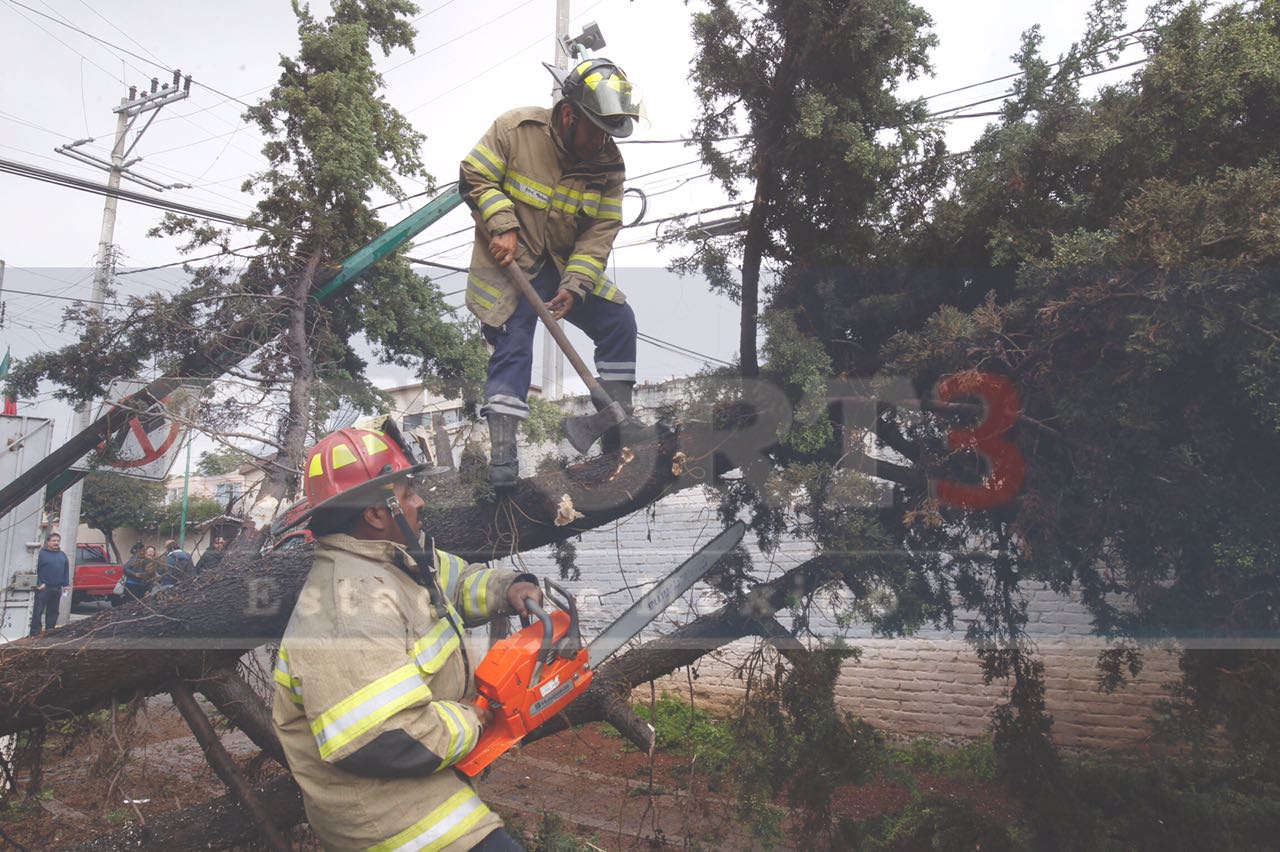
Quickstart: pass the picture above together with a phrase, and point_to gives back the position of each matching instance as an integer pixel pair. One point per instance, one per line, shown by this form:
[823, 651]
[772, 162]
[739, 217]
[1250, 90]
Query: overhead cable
[73, 182]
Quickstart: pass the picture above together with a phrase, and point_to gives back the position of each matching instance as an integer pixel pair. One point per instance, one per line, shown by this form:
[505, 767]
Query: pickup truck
[98, 578]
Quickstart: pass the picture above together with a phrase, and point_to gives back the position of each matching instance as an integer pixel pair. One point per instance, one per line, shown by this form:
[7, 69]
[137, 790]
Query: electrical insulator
[186, 86]
[155, 84]
[177, 75]
[133, 92]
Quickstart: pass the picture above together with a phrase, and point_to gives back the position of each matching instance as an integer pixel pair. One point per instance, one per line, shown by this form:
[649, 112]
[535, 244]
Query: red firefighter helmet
[347, 467]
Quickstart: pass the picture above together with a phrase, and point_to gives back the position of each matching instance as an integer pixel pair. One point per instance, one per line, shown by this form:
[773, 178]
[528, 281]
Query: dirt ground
[606, 792]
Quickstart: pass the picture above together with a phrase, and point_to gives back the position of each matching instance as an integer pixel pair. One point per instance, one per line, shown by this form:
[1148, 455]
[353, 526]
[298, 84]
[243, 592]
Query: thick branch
[224, 765]
[236, 700]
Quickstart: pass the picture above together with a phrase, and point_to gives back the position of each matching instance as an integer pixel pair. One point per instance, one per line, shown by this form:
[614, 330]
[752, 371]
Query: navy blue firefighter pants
[611, 327]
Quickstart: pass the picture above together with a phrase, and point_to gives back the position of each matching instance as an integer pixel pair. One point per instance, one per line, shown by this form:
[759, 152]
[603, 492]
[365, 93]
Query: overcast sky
[472, 62]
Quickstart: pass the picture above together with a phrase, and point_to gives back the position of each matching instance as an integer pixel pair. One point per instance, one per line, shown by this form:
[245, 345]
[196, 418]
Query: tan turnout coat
[519, 175]
[370, 702]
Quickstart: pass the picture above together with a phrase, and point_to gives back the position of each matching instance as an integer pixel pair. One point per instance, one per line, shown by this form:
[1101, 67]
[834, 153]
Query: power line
[680, 350]
[60, 41]
[1010, 94]
[473, 77]
[60, 298]
[124, 50]
[1017, 74]
[456, 38]
[430, 12]
[72, 182]
[184, 261]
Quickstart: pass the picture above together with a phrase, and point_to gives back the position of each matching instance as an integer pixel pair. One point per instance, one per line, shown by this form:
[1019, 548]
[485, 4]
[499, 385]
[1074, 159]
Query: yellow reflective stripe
[476, 289]
[368, 707]
[459, 565]
[283, 675]
[569, 191]
[445, 572]
[605, 288]
[562, 204]
[591, 203]
[432, 650]
[492, 201]
[594, 268]
[451, 568]
[487, 163]
[566, 199]
[444, 825]
[456, 718]
[527, 190]
[461, 735]
[610, 208]
[475, 594]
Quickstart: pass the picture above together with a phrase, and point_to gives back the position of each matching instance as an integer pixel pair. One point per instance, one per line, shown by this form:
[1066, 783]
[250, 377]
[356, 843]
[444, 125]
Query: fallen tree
[225, 822]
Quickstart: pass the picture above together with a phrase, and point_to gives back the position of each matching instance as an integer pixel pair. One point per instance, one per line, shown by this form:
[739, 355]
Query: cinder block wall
[926, 684]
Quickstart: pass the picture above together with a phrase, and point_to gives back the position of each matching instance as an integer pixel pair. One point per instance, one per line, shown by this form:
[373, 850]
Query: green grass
[550, 835]
[976, 760]
[690, 732]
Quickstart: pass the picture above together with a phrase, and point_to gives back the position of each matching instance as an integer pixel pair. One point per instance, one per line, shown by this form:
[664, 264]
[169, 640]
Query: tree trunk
[757, 220]
[283, 470]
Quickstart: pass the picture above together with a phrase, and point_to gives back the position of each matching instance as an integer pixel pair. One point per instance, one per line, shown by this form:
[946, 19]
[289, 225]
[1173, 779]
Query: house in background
[437, 421]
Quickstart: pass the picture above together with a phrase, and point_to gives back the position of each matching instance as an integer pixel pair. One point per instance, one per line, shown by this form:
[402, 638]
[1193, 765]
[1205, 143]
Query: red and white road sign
[145, 443]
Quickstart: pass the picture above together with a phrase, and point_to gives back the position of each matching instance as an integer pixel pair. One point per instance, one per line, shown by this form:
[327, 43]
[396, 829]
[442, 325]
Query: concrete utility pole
[130, 108]
[552, 357]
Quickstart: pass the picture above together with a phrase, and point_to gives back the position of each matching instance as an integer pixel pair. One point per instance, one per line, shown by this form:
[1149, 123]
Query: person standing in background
[211, 558]
[53, 574]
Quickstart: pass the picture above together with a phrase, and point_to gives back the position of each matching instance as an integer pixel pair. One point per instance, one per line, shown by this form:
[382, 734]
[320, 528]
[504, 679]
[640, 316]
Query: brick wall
[926, 684]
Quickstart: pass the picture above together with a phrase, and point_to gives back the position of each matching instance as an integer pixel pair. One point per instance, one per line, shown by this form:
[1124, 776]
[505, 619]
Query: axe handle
[517, 277]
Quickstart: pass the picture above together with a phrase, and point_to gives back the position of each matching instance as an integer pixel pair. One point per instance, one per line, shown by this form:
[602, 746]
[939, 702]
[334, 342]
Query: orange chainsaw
[532, 675]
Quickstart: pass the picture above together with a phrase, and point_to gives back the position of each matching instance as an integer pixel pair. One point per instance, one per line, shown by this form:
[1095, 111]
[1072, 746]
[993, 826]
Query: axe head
[584, 430]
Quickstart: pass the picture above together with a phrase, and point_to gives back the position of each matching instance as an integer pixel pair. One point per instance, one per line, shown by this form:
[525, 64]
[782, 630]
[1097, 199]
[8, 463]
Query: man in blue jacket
[53, 573]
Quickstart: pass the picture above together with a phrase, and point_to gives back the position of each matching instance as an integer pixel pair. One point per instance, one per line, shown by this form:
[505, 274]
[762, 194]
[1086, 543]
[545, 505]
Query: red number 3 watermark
[1008, 469]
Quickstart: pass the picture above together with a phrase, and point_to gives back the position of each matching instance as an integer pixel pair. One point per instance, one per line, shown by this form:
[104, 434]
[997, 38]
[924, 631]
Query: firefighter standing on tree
[374, 702]
[548, 186]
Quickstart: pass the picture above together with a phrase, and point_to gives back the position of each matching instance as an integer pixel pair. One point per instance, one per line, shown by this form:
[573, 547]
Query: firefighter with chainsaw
[374, 697]
[547, 185]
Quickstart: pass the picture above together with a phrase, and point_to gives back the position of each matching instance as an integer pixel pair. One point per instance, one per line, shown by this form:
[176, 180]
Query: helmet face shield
[612, 95]
[600, 90]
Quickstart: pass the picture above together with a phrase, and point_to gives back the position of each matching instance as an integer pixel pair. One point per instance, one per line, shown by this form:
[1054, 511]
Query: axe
[582, 431]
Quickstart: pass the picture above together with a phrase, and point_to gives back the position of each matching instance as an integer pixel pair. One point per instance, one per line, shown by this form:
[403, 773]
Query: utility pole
[552, 357]
[130, 108]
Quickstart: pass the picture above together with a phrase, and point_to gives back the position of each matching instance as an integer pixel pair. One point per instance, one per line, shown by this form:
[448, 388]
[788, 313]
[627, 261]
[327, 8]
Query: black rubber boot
[504, 465]
[620, 392]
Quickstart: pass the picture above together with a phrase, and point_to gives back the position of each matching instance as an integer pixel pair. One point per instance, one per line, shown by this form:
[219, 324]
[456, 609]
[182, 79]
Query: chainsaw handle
[548, 636]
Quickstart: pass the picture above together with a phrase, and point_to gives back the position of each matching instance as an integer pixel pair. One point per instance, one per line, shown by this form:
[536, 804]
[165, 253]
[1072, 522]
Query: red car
[98, 578]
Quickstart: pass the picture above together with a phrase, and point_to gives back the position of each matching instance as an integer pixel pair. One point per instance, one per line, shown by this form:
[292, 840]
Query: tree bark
[236, 700]
[218, 824]
[283, 469]
[222, 764]
[757, 220]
